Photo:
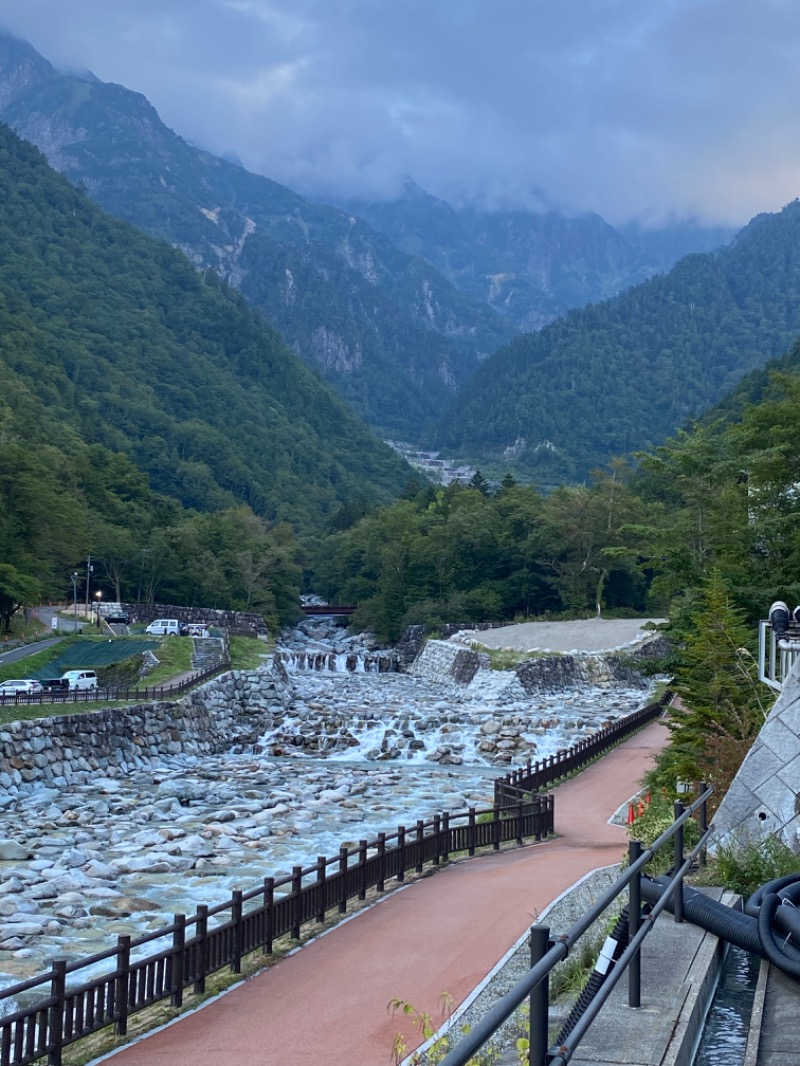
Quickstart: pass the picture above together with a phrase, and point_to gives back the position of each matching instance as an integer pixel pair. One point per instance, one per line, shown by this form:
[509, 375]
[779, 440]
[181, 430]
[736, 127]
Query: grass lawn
[174, 655]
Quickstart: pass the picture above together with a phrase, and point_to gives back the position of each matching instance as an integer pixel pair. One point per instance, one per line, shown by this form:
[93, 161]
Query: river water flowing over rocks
[353, 753]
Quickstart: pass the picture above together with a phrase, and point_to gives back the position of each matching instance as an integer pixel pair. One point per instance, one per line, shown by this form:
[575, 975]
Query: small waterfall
[361, 662]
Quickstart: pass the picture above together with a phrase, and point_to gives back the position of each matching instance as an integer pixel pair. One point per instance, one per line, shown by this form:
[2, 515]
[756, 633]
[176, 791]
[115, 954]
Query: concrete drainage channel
[682, 968]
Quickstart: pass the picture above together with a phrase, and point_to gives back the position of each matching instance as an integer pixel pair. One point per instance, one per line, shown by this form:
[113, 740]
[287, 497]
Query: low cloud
[616, 106]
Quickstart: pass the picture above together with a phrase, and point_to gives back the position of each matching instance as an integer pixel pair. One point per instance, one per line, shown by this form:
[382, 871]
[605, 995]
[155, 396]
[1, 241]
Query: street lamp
[89, 572]
[75, 577]
[99, 596]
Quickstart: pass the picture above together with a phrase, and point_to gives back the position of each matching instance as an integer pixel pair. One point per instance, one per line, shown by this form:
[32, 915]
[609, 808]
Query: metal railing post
[703, 857]
[539, 999]
[634, 912]
[677, 909]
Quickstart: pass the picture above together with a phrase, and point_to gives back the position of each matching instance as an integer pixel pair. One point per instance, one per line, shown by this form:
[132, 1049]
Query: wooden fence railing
[510, 789]
[128, 695]
[166, 962]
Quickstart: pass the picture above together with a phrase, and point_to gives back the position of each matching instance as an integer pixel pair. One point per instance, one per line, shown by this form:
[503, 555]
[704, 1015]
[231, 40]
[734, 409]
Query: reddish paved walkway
[328, 1002]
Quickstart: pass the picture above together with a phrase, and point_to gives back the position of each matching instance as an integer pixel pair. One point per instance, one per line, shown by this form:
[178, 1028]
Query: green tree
[722, 703]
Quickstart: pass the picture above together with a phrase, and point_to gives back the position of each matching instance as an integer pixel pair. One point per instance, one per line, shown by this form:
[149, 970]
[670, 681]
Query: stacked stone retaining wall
[240, 621]
[229, 712]
[444, 660]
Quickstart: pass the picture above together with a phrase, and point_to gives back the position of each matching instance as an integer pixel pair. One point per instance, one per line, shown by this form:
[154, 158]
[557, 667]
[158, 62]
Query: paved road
[328, 1002]
[65, 625]
[14, 654]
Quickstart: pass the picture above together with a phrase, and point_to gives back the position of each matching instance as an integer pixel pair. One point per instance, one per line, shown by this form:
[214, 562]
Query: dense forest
[622, 375]
[149, 417]
[386, 329]
[634, 539]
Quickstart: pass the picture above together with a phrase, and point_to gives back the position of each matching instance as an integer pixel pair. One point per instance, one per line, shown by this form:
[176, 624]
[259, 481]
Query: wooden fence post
[297, 900]
[472, 831]
[178, 948]
[420, 845]
[446, 832]
[437, 834]
[343, 856]
[362, 862]
[269, 913]
[122, 983]
[201, 936]
[321, 908]
[236, 918]
[381, 861]
[401, 848]
[55, 1016]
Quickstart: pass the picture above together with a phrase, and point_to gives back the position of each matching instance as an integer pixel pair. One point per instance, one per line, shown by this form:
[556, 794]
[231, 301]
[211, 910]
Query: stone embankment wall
[226, 713]
[445, 660]
[442, 660]
[245, 621]
[552, 673]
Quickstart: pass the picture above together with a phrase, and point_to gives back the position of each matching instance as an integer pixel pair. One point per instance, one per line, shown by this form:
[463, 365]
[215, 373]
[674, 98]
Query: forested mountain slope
[110, 338]
[384, 327]
[622, 375]
[531, 266]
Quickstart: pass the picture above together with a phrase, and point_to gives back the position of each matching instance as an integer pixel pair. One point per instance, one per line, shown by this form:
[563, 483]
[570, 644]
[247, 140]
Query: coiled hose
[614, 945]
[770, 908]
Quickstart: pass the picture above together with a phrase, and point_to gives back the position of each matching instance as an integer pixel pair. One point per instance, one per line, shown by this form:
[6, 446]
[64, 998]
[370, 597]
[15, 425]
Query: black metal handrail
[546, 954]
[184, 953]
[543, 773]
[109, 695]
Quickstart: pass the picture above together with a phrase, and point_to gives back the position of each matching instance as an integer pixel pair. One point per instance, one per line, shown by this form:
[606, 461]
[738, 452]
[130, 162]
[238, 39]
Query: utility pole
[89, 569]
[75, 576]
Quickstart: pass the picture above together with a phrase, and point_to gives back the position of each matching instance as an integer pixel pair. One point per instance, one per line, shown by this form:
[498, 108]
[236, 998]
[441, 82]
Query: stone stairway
[207, 652]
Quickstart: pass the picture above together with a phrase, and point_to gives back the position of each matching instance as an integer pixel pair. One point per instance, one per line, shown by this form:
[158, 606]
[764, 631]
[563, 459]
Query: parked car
[164, 627]
[80, 680]
[55, 686]
[120, 618]
[20, 687]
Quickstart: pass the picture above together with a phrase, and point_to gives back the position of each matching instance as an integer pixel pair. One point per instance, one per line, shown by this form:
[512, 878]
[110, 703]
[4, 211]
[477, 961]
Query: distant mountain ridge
[396, 311]
[532, 266]
[622, 375]
[385, 328]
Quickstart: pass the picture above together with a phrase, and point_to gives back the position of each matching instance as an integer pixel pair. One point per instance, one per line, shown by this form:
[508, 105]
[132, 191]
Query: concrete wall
[764, 798]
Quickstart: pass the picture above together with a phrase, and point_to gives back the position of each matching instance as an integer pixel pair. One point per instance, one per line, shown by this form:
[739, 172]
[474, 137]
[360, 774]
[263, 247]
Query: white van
[80, 679]
[164, 627]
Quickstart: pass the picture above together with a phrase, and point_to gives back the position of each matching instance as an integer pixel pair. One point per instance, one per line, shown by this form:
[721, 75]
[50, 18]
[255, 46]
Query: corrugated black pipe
[786, 918]
[613, 946]
[773, 949]
[730, 925]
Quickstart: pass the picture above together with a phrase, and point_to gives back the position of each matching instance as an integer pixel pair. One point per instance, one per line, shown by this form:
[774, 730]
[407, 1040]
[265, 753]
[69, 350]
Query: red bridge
[329, 609]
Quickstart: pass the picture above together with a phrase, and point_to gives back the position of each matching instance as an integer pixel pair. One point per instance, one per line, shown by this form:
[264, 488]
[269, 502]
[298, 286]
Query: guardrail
[546, 953]
[777, 655]
[544, 772]
[184, 953]
[128, 695]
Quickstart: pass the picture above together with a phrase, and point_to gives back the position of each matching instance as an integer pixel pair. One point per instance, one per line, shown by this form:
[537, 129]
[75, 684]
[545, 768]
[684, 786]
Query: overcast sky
[632, 108]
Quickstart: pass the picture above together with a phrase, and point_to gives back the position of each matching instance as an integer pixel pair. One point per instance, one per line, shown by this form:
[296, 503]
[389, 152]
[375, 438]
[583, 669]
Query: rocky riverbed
[354, 754]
